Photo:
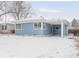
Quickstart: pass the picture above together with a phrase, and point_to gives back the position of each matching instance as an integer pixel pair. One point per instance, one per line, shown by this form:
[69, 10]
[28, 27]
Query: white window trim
[18, 29]
[42, 26]
[37, 27]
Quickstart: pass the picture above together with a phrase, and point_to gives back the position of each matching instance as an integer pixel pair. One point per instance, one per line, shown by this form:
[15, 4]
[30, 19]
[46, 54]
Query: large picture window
[37, 25]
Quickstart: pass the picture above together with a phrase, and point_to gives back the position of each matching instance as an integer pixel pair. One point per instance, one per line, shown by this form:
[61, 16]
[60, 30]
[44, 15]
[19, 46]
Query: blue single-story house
[54, 27]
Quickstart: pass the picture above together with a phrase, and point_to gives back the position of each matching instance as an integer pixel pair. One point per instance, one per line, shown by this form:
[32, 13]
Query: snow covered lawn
[35, 46]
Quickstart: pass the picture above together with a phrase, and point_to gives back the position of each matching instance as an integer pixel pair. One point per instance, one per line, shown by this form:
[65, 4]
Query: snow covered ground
[36, 46]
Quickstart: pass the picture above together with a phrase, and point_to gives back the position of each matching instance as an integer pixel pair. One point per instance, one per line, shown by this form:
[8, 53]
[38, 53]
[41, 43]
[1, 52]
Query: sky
[56, 9]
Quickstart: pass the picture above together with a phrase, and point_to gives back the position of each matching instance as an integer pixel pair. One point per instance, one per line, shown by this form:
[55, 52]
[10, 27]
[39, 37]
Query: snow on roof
[57, 21]
[77, 20]
[7, 22]
[34, 19]
[50, 21]
[7, 19]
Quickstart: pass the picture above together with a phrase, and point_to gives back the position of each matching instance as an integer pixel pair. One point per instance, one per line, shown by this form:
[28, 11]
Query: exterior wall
[47, 30]
[27, 29]
[56, 31]
[9, 28]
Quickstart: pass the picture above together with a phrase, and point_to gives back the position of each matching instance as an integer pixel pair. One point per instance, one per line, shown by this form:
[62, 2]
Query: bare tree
[1, 4]
[19, 9]
[4, 7]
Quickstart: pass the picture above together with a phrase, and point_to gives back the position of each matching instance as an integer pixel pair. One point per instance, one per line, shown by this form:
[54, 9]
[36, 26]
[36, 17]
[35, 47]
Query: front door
[56, 30]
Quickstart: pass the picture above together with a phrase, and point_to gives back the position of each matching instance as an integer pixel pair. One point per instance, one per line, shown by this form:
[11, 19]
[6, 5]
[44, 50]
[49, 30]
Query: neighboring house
[74, 28]
[42, 27]
[7, 28]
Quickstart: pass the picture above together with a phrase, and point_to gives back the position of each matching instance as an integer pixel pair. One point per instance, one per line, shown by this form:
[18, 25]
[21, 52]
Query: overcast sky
[56, 9]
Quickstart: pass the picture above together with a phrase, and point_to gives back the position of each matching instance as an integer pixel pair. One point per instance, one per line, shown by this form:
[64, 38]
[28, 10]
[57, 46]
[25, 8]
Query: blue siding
[50, 30]
[47, 30]
[27, 28]
[56, 30]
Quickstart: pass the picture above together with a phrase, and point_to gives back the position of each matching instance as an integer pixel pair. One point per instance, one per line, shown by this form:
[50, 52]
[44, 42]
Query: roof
[7, 22]
[49, 21]
[39, 19]
[74, 28]
[57, 21]
[77, 21]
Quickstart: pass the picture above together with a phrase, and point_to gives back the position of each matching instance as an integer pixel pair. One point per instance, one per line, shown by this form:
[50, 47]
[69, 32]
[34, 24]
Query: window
[18, 26]
[4, 27]
[44, 25]
[37, 26]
